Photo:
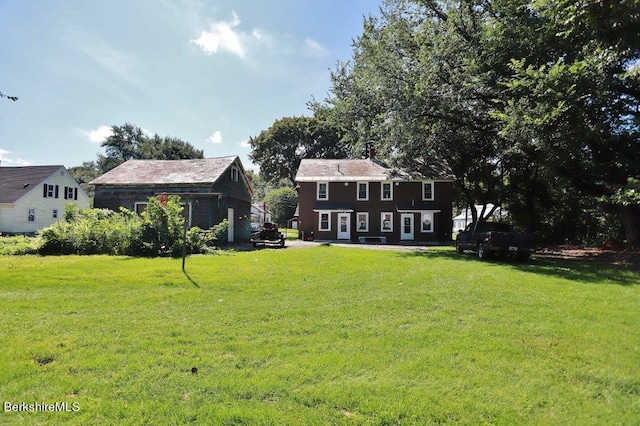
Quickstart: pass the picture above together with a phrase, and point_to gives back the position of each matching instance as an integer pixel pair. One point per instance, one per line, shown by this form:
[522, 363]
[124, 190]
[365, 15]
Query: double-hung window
[387, 191]
[386, 222]
[322, 191]
[427, 222]
[363, 222]
[427, 191]
[50, 191]
[363, 191]
[324, 221]
[235, 174]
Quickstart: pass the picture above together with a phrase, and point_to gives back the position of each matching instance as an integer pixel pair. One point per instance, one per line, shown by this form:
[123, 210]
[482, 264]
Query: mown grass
[325, 335]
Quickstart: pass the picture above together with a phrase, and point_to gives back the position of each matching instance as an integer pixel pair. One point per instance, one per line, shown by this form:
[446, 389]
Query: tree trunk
[631, 220]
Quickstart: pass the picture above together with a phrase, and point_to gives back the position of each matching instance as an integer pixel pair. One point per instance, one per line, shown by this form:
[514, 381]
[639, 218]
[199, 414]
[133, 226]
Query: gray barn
[213, 189]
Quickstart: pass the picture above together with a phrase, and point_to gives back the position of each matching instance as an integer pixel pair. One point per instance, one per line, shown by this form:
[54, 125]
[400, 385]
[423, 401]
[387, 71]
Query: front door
[230, 231]
[406, 226]
[344, 226]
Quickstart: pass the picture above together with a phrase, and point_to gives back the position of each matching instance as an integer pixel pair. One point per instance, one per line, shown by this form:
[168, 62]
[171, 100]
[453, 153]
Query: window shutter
[75, 193]
[65, 192]
[44, 193]
[56, 191]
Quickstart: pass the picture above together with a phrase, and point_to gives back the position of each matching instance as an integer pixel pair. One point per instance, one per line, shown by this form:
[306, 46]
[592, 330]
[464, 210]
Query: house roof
[313, 170]
[15, 182]
[167, 172]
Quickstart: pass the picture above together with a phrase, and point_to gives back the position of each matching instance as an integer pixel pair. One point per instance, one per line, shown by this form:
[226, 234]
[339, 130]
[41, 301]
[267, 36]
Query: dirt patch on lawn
[604, 256]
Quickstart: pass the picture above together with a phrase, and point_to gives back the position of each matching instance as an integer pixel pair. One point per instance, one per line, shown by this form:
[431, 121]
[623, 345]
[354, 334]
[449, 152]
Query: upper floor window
[387, 191]
[50, 191]
[363, 191]
[427, 191]
[323, 191]
[70, 193]
[31, 215]
[235, 174]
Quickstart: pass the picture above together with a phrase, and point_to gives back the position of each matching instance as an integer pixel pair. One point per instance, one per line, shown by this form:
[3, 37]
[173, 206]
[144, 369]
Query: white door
[230, 232]
[344, 226]
[406, 226]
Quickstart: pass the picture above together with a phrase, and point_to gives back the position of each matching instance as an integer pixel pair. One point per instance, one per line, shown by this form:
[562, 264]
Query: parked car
[268, 234]
[489, 238]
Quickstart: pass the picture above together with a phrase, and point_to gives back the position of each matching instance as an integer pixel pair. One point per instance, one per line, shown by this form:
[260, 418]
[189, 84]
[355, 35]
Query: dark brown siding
[408, 195]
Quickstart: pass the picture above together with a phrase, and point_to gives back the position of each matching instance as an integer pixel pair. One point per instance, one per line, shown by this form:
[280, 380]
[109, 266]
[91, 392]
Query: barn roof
[15, 182]
[167, 172]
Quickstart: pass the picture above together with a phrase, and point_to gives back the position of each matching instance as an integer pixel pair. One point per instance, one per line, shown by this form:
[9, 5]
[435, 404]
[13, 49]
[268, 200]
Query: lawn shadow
[191, 280]
[620, 269]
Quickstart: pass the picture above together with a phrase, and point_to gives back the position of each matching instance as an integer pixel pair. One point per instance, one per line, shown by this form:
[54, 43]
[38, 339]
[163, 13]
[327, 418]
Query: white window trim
[235, 174]
[366, 228]
[382, 222]
[382, 184]
[366, 198]
[320, 213]
[433, 190]
[318, 190]
[422, 230]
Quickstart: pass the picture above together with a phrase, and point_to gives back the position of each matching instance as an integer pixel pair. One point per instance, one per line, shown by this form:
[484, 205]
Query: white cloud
[313, 48]
[7, 161]
[222, 37]
[97, 135]
[216, 137]
[245, 144]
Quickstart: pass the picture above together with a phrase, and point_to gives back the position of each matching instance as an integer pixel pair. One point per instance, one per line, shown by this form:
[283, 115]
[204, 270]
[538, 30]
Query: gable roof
[15, 182]
[313, 170]
[167, 172]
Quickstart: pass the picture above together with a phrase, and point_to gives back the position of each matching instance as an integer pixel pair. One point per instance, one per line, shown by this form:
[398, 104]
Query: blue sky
[212, 73]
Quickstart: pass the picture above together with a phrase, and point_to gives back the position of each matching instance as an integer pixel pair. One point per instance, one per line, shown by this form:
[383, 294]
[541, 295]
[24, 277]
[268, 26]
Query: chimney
[371, 151]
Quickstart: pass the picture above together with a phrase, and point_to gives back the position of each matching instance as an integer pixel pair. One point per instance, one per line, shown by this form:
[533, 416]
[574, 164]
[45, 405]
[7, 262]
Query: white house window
[386, 222]
[427, 222]
[70, 193]
[427, 191]
[363, 222]
[387, 191]
[363, 191]
[325, 221]
[50, 191]
[31, 215]
[323, 191]
[235, 173]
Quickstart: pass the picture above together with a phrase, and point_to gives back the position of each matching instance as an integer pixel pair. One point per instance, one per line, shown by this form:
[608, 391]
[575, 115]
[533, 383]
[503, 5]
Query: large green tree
[282, 203]
[532, 103]
[279, 149]
[129, 142]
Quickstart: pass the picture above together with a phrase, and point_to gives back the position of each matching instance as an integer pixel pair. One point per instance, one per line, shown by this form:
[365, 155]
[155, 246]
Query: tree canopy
[533, 103]
[279, 149]
[129, 142]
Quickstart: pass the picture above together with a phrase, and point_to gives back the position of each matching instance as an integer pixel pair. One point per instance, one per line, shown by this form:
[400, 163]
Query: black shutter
[56, 191]
[44, 193]
[65, 192]
[75, 193]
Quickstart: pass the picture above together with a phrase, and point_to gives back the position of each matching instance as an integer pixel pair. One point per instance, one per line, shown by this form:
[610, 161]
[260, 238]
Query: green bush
[19, 245]
[158, 232]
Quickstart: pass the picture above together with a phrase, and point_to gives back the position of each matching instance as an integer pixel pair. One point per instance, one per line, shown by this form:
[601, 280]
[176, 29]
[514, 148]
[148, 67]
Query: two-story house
[34, 197]
[366, 201]
[212, 189]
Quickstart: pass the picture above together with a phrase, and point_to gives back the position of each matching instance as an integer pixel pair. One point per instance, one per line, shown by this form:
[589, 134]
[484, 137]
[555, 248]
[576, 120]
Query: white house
[34, 197]
[463, 219]
[259, 215]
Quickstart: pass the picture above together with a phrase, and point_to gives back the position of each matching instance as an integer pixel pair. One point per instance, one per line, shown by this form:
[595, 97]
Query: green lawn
[324, 335]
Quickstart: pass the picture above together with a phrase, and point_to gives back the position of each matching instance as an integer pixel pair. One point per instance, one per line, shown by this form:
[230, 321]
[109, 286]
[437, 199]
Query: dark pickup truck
[488, 238]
